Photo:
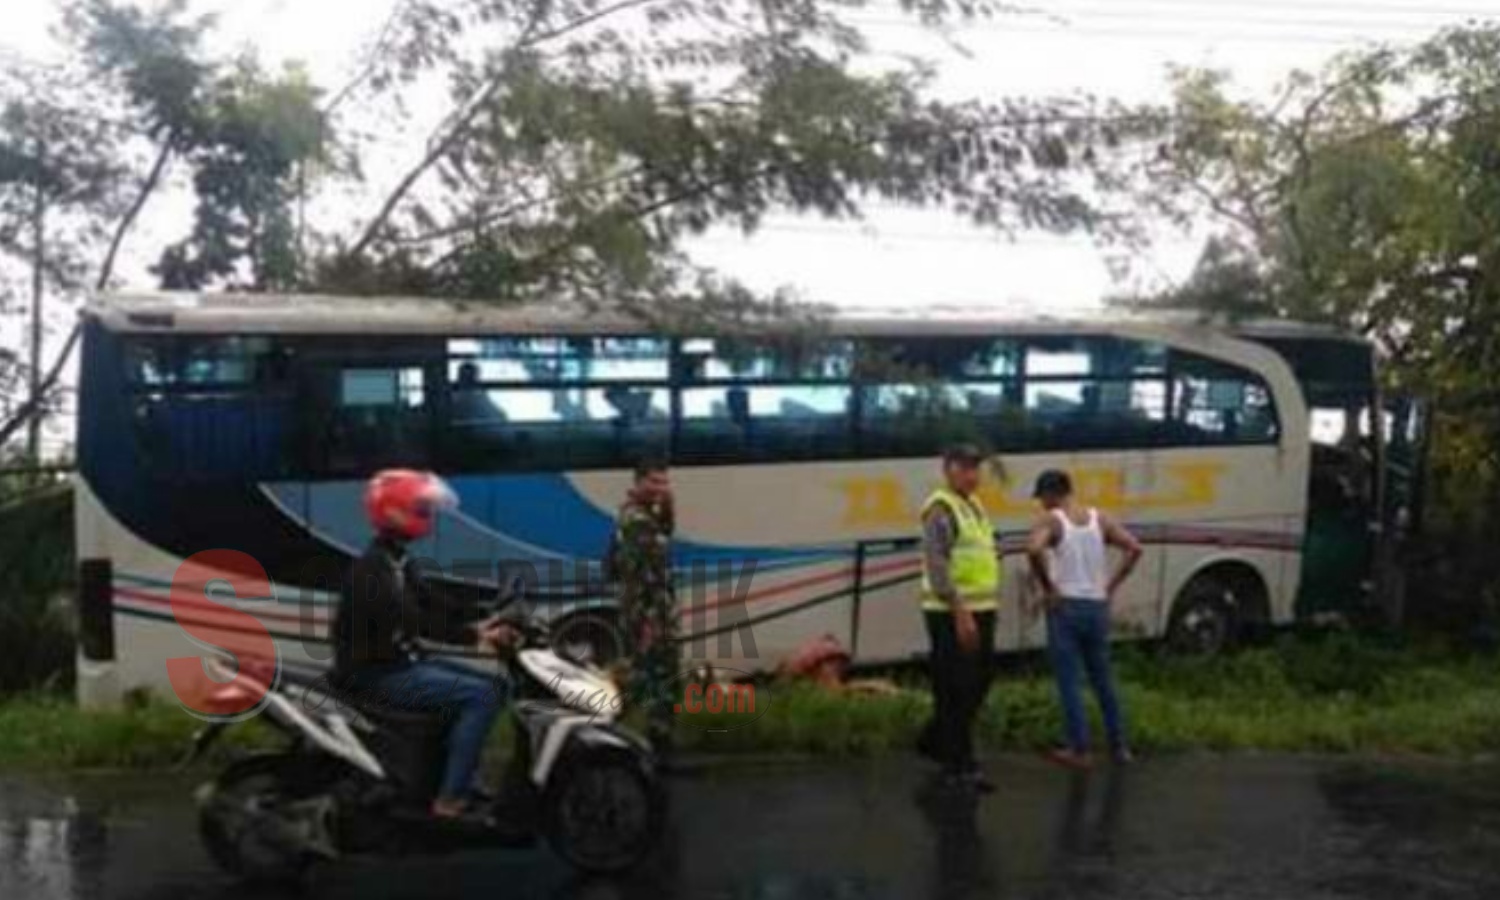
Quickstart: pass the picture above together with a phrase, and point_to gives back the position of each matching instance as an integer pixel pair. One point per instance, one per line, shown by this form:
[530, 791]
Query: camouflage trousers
[655, 685]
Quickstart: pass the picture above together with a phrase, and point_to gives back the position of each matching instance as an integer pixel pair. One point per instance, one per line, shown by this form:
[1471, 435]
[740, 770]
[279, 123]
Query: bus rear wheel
[596, 638]
[1205, 619]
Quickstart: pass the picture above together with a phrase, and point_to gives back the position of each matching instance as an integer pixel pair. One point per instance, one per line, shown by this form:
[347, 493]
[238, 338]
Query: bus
[1251, 461]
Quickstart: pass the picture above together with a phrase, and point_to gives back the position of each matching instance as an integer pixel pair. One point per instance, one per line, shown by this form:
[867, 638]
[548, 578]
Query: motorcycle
[358, 777]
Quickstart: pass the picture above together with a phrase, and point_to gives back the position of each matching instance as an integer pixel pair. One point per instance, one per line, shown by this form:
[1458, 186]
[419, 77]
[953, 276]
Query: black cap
[1053, 483]
[966, 454]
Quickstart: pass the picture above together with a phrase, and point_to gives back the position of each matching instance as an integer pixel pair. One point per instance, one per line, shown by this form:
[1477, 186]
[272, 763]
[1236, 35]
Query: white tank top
[1079, 565]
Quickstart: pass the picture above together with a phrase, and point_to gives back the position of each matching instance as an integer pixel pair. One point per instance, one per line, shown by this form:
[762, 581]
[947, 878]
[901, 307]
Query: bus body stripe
[900, 570]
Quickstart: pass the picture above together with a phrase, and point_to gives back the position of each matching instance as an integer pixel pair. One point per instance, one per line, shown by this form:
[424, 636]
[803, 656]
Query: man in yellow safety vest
[960, 591]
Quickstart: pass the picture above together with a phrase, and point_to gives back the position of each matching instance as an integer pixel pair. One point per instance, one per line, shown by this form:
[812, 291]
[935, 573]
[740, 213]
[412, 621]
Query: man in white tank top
[1068, 559]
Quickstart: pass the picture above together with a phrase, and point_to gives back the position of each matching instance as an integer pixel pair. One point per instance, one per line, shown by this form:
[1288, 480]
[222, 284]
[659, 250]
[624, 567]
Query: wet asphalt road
[1173, 828]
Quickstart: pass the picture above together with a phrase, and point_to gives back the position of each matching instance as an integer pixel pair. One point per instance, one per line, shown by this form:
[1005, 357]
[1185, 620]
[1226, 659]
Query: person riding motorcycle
[387, 607]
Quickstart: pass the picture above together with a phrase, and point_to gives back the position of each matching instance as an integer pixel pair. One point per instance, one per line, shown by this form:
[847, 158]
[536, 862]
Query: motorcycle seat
[306, 678]
[403, 719]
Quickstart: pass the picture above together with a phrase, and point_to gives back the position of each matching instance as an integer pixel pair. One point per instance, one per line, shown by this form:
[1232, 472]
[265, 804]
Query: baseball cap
[967, 454]
[1053, 483]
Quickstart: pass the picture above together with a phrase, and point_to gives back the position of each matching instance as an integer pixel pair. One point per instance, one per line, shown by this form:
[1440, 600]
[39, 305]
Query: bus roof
[229, 313]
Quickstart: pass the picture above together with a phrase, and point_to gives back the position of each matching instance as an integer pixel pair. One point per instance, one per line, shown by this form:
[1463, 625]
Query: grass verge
[1326, 694]
[1332, 693]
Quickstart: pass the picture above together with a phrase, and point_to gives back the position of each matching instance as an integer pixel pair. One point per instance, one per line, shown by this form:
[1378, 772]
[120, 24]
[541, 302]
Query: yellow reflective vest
[974, 567]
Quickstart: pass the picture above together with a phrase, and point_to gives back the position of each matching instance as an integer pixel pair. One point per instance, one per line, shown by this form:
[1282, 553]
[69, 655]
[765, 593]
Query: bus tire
[1218, 610]
[595, 636]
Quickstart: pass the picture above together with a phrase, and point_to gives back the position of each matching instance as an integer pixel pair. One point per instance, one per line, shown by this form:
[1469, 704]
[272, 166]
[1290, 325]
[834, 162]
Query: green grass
[49, 731]
[1325, 694]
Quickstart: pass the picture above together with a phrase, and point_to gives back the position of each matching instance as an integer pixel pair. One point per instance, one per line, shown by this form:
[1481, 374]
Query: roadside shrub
[36, 578]
[1342, 663]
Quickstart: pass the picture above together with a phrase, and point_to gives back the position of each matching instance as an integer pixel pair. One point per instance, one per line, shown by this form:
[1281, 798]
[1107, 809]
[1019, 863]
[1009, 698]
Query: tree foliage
[582, 142]
[97, 138]
[585, 140]
[1367, 196]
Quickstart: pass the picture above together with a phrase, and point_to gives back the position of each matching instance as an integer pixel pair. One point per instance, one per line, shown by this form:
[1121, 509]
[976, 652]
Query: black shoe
[470, 822]
[675, 767]
[956, 783]
[925, 747]
[979, 781]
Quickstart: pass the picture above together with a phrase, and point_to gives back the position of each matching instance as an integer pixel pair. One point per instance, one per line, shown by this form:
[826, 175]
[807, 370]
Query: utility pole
[38, 288]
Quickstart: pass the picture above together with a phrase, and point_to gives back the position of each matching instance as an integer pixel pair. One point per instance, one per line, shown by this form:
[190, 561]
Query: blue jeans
[1078, 638]
[473, 701]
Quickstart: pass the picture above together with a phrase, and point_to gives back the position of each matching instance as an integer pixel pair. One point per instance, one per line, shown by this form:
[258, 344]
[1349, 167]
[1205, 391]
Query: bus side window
[1215, 403]
[211, 407]
[379, 416]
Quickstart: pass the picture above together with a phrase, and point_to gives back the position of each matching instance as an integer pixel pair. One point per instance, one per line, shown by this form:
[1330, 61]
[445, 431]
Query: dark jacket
[385, 605]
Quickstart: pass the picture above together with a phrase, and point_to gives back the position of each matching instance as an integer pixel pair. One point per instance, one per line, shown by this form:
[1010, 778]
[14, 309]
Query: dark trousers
[960, 682]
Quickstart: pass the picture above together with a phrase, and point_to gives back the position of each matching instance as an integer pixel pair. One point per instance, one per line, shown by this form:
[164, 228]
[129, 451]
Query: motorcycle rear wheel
[237, 822]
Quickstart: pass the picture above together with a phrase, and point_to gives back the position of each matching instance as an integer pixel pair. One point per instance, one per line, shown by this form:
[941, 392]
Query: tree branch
[448, 134]
[1250, 221]
[476, 222]
[572, 25]
[127, 222]
[35, 405]
[372, 60]
[635, 214]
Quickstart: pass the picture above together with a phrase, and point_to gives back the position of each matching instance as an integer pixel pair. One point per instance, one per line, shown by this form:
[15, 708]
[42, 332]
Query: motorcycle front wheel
[603, 811]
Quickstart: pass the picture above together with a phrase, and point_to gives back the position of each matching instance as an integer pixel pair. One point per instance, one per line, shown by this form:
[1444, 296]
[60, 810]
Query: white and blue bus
[800, 461]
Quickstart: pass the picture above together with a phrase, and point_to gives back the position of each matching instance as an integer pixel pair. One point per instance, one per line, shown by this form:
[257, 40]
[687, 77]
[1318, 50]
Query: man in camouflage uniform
[642, 569]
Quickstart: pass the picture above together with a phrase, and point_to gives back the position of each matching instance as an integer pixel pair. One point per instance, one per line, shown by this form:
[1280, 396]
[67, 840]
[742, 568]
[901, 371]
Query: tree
[57, 185]
[586, 139]
[1367, 196]
[84, 149]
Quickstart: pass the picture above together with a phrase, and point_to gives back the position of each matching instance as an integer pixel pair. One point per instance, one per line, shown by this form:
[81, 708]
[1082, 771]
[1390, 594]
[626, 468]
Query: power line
[1195, 35]
[1084, 21]
[865, 232]
[1288, 12]
[1316, 6]
[1084, 14]
[1241, 24]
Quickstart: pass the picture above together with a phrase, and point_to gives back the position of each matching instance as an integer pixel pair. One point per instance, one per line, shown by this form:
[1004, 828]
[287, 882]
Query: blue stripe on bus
[521, 518]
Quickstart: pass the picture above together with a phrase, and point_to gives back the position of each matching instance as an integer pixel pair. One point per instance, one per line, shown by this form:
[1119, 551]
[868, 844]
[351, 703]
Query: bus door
[1342, 532]
[1343, 523]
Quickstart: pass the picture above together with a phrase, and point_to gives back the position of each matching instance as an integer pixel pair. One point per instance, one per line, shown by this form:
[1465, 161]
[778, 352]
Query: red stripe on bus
[160, 600]
[1168, 536]
[811, 581]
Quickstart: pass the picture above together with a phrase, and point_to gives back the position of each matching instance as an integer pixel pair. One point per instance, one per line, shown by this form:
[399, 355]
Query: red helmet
[405, 503]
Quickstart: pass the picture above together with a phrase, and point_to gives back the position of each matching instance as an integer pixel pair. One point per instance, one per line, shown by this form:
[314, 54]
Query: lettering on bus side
[885, 501]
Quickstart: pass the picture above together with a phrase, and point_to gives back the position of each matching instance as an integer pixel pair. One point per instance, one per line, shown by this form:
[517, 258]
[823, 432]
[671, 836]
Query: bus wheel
[590, 637]
[1204, 622]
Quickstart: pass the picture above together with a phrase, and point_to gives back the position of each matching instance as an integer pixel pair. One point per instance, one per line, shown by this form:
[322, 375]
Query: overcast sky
[1117, 48]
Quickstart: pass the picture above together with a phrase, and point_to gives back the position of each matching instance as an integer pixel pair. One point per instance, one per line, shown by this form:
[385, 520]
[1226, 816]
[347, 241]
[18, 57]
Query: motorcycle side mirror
[512, 590]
